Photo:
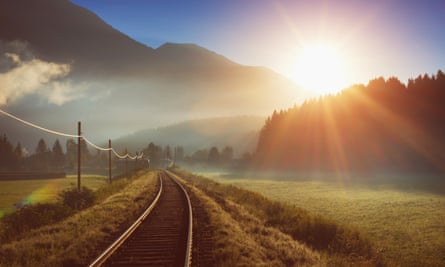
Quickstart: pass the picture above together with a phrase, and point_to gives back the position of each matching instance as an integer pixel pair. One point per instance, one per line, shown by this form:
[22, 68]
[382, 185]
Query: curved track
[161, 236]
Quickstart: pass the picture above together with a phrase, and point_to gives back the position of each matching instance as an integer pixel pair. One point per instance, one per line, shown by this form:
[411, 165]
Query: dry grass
[77, 240]
[406, 227]
[241, 239]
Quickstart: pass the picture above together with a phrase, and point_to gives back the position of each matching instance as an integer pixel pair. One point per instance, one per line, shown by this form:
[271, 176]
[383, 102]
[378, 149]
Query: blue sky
[374, 38]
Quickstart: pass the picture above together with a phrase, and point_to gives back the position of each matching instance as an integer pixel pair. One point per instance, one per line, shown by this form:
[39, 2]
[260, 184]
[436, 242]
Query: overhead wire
[37, 126]
[127, 155]
[118, 155]
[71, 136]
[95, 146]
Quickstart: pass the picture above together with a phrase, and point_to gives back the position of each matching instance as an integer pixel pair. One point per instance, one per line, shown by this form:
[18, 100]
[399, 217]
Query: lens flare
[45, 193]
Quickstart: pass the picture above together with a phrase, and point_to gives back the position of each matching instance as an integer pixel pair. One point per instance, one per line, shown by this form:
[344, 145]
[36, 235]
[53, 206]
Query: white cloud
[35, 76]
[61, 92]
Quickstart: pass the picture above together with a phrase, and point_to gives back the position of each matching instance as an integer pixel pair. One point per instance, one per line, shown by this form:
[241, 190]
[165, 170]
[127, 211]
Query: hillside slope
[241, 133]
[115, 85]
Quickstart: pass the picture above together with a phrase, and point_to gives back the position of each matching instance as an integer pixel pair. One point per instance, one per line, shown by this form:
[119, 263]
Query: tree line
[160, 156]
[213, 156]
[46, 158]
[55, 158]
[382, 126]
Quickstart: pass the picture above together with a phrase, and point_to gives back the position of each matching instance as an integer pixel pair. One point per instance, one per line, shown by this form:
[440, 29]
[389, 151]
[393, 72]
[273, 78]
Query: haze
[314, 131]
[192, 59]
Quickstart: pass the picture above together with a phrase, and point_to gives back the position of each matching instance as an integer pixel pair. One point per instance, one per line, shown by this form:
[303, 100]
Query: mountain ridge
[125, 84]
[239, 132]
[192, 51]
[60, 31]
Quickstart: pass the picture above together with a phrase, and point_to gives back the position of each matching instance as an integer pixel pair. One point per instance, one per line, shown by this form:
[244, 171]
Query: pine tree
[42, 157]
[227, 154]
[71, 153]
[213, 155]
[41, 147]
[58, 158]
[7, 158]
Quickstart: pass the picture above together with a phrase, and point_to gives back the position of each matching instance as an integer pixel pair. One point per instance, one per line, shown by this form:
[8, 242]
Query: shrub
[76, 199]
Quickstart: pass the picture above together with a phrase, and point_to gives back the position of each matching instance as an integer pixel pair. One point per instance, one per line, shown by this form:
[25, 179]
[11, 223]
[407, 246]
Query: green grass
[406, 227]
[41, 191]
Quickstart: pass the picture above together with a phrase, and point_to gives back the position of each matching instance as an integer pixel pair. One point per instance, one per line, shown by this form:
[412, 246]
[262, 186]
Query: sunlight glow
[321, 68]
[45, 193]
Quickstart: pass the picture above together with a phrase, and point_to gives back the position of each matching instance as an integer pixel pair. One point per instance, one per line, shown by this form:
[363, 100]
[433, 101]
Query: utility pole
[109, 160]
[174, 157]
[79, 139]
[136, 162]
[126, 162]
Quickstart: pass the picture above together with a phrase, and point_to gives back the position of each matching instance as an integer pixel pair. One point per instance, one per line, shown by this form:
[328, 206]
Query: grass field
[406, 227]
[35, 191]
[79, 238]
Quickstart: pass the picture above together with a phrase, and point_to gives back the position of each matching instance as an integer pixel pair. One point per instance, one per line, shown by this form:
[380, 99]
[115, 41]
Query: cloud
[14, 57]
[18, 51]
[30, 76]
[61, 92]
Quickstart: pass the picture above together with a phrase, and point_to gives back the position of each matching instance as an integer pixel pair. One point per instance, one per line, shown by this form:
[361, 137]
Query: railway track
[161, 236]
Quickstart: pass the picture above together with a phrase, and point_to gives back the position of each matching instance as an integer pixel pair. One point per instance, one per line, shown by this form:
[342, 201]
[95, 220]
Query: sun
[320, 68]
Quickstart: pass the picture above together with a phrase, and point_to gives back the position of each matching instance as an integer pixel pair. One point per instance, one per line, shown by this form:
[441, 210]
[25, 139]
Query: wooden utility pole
[126, 163]
[136, 162]
[79, 138]
[174, 156]
[109, 160]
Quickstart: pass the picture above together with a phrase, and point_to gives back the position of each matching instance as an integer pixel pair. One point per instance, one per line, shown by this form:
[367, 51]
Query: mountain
[181, 55]
[61, 63]
[241, 133]
[59, 31]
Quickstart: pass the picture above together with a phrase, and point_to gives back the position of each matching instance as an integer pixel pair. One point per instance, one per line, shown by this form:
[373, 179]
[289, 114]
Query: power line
[118, 155]
[71, 136]
[126, 155]
[96, 146]
[37, 126]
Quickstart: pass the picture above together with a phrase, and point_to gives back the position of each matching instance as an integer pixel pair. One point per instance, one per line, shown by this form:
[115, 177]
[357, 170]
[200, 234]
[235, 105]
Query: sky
[369, 39]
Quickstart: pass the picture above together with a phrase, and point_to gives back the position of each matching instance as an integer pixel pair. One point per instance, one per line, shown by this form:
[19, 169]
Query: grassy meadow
[407, 227]
[40, 191]
[239, 238]
[79, 238]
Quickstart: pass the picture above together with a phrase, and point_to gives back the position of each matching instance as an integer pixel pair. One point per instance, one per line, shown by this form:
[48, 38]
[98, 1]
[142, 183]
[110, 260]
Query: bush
[78, 200]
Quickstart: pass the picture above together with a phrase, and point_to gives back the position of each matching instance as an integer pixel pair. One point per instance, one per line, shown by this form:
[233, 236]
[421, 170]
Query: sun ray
[337, 155]
[403, 129]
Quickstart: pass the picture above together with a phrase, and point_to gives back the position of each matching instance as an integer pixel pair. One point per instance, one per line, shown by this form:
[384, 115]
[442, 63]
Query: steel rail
[120, 240]
[188, 253]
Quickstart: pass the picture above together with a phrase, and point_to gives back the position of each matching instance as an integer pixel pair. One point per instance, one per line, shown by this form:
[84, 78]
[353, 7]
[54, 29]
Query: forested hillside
[383, 126]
